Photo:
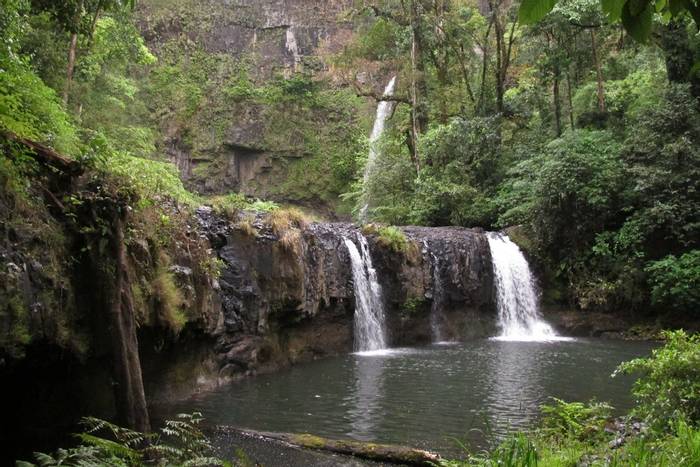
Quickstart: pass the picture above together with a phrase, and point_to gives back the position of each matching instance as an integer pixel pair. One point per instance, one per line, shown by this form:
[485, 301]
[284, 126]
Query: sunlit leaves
[636, 15]
[534, 10]
[637, 18]
[612, 8]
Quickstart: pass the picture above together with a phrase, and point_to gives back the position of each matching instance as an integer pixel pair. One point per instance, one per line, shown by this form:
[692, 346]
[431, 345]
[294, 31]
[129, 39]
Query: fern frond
[110, 448]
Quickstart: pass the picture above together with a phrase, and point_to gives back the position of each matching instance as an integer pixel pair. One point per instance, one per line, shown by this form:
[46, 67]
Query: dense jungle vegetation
[576, 126]
[569, 126]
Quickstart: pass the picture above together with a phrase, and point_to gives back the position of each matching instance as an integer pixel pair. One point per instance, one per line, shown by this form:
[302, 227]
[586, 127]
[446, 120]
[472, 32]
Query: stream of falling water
[370, 333]
[518, 312]
[384, 109]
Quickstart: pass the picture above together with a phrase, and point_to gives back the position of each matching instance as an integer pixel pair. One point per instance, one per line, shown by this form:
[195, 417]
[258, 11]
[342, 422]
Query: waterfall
[516, 298]
[370, 331]
[436, 312]
[384, 109]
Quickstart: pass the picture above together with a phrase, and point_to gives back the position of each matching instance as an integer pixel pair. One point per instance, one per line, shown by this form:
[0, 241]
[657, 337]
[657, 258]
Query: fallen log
[371, 451]
[46, 155]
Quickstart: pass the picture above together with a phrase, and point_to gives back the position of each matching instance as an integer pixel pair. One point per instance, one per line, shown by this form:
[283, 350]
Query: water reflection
[424, 397]
[515, 386]
[364, 410]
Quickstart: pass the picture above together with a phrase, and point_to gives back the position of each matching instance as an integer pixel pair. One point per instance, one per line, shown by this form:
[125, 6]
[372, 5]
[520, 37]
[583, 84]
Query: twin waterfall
[516, 298]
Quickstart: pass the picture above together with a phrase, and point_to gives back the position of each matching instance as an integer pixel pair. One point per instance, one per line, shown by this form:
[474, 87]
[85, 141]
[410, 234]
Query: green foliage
[179, 442]
[31, 109]
[230, 205]
[668, 388]
[390, 237]
[167, 298]
[263, 206]
[518, 450]
[636, 17]
[413, 305]
[109, 93]
[675, 281]
[575, 419]
[151, 179]
[461, 170]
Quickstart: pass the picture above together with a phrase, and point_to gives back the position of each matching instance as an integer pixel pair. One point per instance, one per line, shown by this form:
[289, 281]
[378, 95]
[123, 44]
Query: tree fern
[180, 442]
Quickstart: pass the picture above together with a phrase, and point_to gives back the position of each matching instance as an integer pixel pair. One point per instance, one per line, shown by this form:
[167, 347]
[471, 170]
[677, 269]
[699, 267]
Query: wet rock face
[276, 37]
[282, 301]
[448, 275]
[285, 301]
[282, 33]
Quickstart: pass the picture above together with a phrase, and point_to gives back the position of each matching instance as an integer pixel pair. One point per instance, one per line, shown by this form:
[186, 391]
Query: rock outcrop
[284, 301]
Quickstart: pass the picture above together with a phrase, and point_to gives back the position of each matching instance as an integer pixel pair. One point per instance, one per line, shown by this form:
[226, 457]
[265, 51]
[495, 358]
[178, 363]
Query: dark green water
[476, 391]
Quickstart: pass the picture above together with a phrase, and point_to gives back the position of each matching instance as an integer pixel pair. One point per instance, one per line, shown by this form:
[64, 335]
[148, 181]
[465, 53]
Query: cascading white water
[369, 320]
[516, 298]
[384, 109]
[436, 316]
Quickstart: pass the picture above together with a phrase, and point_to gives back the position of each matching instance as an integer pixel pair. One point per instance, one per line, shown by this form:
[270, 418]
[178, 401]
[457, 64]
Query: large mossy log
[371, 451]
[45, 155]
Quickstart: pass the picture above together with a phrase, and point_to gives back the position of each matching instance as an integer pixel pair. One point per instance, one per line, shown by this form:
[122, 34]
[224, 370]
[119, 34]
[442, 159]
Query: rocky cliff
[248, 102]
[288, 297]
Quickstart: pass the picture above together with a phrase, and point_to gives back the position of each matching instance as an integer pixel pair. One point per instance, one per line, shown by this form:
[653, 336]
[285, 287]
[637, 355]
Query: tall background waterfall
[516, 299]
[384, 109]
[370, 333]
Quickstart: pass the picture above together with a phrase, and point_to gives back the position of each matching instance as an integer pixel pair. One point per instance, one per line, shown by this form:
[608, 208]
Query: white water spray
[436, 316]
[516, 299]
[384, 109]
[369, 320]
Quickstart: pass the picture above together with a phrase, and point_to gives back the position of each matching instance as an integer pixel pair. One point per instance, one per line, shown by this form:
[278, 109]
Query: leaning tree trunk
[129, 393]
[108, 266]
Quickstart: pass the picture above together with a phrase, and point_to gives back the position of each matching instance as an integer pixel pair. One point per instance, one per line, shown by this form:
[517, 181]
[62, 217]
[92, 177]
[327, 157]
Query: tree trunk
[557, 105]
[382, 453]
[570, 99]
[599, 73]
[129, 393]
[71, 66]
[484, 66]
[678, 54]
[410, 141]
[418, 86]
[499, 60]
[442, 61]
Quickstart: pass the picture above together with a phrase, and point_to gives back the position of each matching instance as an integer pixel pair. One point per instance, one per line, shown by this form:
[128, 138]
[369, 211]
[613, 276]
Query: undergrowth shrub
[282, 220]
[389, 237]
[668, 388]
[179, 442]
[151, 180]
[675, 282]
[168, 299]
[575, 419]
[229, 205]
[245, 225]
